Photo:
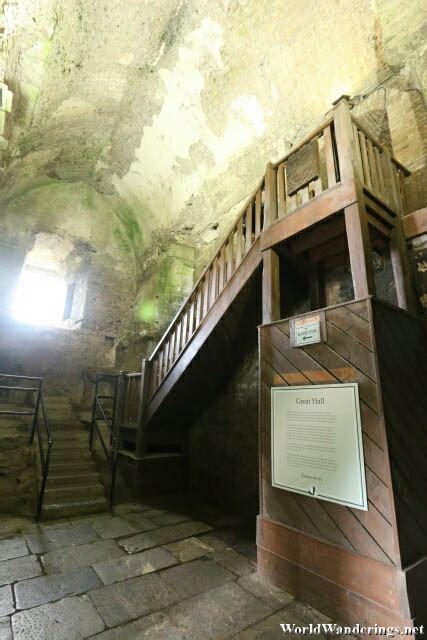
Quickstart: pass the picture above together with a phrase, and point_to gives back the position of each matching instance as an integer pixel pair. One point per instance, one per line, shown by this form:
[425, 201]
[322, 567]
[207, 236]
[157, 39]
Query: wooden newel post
[119, 402]
[146, 370]
[270, 205]
[356, 222]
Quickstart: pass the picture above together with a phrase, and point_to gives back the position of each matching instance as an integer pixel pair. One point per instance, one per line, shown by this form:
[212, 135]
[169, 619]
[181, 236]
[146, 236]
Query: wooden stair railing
[341, 151]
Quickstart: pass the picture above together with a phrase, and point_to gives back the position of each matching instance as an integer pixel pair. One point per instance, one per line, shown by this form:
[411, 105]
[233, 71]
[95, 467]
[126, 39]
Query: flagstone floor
[144, 572]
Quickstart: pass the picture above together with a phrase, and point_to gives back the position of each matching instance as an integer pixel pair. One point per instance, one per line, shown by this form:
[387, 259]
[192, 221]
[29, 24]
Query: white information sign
[316, 443]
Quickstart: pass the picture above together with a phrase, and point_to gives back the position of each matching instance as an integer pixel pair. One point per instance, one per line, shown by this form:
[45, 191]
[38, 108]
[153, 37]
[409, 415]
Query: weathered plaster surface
[142, 127]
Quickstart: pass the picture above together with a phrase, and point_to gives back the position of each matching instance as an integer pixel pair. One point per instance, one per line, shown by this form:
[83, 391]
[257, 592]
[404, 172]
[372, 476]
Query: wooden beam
[270, 286]
[359, 248]
[415, 224]
[316, 210]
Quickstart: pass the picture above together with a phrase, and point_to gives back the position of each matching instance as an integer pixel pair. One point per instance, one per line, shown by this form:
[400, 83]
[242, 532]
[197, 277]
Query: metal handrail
[39, 407]
[111, 450]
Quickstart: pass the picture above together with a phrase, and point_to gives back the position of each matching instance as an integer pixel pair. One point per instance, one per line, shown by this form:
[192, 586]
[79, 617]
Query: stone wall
[224, 445]
[18, 471]
[59, 355]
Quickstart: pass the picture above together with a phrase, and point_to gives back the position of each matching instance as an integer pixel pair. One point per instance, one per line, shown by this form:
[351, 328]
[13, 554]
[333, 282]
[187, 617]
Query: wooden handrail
[304, 141]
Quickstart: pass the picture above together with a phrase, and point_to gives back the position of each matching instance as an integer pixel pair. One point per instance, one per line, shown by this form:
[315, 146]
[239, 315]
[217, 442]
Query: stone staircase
[73, 486]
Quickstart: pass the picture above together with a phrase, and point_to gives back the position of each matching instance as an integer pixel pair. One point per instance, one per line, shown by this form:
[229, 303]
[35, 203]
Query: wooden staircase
[330, 199]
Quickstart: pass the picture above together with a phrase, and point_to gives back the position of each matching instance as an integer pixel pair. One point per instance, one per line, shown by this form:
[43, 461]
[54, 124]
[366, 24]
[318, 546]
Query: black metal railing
[40, 422]
[106, 415]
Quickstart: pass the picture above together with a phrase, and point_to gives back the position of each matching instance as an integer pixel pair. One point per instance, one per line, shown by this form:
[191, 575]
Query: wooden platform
[357, 566]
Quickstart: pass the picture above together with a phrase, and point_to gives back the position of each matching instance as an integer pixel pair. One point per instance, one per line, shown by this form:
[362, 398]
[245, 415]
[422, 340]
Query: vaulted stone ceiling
[169, 109]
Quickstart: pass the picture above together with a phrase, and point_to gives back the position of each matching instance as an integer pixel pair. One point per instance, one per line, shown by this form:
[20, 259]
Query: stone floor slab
[5, 629]
[114, 528]
[19, 569]
[37, 591]
[135, 565]
[125, 601]
[189, 549]
[169, 518]
[271, 596]
[6, 601]
[81, 556]
[129, 507]
[68, 619]
[197, 576]
[216, 614]
[164, 535]
[233, 561]
[139, 521]
[13, 548]
[66, 536]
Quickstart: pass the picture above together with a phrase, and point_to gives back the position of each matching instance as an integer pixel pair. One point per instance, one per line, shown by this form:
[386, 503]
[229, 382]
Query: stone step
[70, 467]
[79, 508]
[73, 493]
[77, 479]
[64, 457]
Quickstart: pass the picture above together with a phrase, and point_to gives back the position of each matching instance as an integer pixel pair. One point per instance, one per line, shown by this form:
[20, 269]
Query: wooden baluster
[172, 349]
[359, 165]
[214, 282]
[365, 160]
[270, 206]
[248, 228]
[388, 168]
[184, 332]
[396, 179]
[160, 368]
[379, 168]
[292, 202]
[199, 294]
[206, 294]
[166, 358]
[373, 167]
[190, 324]
[281, 190]
[258, 207]
[178, 338]
[317, 186]
[154, 376]
[230, 257]
[222, 268]
[239, 241]
[305, 197]
[329, 157]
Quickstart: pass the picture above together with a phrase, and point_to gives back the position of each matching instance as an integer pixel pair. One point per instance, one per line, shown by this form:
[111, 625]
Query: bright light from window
[39, 297]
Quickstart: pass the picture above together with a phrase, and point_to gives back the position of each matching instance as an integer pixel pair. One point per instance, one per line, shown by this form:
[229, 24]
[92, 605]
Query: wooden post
[359, 248]
[356, 222]
[317, 286]
[270, 207]
[346, 150]
[270, 286]
[146, 369]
